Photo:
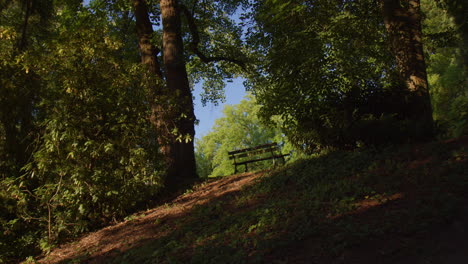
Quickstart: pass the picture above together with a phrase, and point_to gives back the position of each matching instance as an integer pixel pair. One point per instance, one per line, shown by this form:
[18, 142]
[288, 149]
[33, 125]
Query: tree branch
[196, 41]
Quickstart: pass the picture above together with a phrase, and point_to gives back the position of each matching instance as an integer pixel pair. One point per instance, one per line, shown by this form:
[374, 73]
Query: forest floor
[405, 204]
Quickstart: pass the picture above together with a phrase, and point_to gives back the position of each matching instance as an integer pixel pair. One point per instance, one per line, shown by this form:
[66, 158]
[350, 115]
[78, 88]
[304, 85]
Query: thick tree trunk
[176, 114]
[160, 115]
[402, 20]
[178, 85]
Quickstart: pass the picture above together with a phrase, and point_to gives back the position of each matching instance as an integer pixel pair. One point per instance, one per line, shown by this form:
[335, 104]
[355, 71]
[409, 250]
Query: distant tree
[458, 9]
[240, 127]
[446, 75]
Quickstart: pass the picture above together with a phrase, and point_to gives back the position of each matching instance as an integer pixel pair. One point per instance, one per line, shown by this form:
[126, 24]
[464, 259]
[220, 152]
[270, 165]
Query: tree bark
[178, 85]
[402, 19]
[148, 52]
[171, 105]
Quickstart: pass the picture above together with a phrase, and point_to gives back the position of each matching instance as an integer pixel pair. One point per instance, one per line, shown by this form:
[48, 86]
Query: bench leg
[246, 168]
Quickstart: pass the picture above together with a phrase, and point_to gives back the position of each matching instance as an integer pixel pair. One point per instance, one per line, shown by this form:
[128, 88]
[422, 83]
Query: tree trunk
[402, 20]
[148, 52]
[178, 85]
[18, 121]
[176, 114]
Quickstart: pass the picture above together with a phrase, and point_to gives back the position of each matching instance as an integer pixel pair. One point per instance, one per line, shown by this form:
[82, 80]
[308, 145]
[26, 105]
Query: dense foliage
[81, 118]
[447, 70]
[329, 72]
[76, 146]
[91, 155]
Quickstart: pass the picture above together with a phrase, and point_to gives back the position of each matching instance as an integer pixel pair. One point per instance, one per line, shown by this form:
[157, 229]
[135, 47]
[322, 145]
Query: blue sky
[234, 91]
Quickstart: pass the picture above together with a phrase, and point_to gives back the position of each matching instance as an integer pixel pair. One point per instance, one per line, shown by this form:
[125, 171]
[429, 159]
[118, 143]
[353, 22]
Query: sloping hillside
[406, 204]
[149, 225]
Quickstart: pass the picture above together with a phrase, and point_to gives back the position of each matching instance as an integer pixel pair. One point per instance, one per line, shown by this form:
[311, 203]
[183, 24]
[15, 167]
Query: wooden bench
[255, 154]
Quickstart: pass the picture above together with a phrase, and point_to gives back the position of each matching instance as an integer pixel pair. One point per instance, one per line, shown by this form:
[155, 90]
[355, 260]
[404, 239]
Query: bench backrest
[242, 153]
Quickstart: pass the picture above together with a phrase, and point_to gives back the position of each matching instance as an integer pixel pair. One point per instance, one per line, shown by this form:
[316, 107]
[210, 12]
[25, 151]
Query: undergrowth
[335, 201]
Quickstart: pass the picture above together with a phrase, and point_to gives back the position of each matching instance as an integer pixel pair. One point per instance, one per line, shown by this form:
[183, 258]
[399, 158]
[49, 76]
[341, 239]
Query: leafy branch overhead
[97, 115]
[196, 42]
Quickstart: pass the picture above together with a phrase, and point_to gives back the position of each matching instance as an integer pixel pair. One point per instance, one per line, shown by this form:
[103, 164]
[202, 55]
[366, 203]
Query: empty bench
[255, 154]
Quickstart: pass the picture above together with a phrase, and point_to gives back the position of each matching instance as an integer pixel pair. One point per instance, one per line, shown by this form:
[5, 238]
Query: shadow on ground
[405, 205]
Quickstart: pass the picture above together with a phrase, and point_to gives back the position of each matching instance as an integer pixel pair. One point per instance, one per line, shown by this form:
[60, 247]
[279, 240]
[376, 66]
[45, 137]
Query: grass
[319, 208]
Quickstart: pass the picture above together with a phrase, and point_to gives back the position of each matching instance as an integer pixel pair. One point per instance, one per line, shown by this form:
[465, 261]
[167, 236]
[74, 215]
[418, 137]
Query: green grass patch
[336, 200]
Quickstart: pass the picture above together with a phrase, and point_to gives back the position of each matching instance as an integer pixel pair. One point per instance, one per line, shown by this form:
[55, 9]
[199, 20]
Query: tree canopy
[343, 73]
[96, 110]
